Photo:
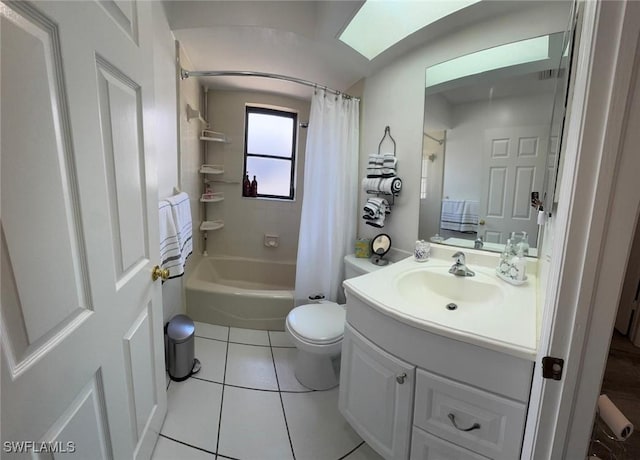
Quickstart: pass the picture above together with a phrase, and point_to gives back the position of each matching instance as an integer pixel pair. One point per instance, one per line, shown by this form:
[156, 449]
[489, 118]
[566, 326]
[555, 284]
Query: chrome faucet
[478, 243]
[460, 268]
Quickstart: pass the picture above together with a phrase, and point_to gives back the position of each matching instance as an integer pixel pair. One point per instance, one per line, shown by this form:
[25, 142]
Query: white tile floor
[246, 404]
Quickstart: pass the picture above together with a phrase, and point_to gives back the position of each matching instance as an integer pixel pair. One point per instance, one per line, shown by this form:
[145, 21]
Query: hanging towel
[460, 215]
[170, 256]
[181, 212]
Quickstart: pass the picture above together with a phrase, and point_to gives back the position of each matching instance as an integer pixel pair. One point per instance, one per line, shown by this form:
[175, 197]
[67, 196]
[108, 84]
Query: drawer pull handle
[475, 426]
[400, 378]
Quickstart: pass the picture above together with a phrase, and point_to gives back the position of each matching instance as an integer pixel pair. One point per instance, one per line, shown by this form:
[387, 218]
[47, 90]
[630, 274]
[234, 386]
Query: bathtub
[239, 292]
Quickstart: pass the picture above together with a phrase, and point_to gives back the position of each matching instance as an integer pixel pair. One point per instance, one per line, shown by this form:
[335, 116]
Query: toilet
[316, 330]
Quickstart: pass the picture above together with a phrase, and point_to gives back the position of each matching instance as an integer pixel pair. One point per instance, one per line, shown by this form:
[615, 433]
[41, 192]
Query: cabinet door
[376, 395]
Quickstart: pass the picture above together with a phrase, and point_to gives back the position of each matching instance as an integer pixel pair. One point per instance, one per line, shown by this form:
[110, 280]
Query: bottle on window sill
[254, 187]
[246, 186]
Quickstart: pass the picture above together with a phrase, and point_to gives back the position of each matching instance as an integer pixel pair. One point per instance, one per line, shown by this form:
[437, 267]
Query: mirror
[491, 138]
[380, 245]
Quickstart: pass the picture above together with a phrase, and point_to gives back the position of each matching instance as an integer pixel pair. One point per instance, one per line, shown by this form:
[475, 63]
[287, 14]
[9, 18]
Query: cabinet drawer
[427, 447]
[486, 423]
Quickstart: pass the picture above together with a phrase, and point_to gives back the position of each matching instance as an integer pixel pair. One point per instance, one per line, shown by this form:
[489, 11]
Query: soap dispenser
[519, 266]
[504, 264]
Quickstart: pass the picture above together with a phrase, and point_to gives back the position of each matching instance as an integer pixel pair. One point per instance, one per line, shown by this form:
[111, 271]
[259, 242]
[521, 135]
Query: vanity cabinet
[414, 394]
[378, 395]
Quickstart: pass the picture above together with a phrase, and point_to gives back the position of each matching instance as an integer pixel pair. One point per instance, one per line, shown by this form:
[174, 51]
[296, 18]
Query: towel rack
[387, 132]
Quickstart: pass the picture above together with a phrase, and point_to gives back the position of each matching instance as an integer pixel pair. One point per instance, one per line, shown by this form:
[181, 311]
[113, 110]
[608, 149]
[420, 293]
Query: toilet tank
[354, 266]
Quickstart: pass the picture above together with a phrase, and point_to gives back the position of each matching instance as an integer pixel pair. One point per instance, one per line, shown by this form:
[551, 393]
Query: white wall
[166, 134]
[395, 96]
[247, 220]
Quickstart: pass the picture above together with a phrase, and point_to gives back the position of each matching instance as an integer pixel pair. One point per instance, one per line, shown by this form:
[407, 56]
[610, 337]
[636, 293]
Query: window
[270, 146]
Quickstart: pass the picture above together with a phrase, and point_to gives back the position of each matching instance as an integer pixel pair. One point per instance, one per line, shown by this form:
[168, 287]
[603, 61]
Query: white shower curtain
[330, 201]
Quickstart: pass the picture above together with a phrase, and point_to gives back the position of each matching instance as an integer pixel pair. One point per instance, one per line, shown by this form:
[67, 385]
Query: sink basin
[436, 286]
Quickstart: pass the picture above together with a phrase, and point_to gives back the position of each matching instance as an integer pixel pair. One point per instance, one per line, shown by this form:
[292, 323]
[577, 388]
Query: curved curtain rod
[184, 74]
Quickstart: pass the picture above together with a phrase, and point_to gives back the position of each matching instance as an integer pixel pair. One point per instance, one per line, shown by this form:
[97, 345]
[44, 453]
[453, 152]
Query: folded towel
[388, 172]
[375, 211]
[459, 215]
[170, 256]
[181, 211]
[378, 223]
[389, 161]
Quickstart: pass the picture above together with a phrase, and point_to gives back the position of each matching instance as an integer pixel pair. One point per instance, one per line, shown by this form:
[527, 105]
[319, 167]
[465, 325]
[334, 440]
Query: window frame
[250, 109]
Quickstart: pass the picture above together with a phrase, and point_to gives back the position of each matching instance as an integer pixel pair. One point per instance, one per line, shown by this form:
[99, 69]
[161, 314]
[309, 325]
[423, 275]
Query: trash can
[181, 364]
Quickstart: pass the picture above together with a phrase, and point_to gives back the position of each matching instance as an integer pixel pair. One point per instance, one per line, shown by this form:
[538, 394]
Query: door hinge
[552, 367]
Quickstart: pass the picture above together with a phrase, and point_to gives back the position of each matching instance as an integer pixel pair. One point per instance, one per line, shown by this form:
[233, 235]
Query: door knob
[158, 272]
[400, 378]
[481, 222]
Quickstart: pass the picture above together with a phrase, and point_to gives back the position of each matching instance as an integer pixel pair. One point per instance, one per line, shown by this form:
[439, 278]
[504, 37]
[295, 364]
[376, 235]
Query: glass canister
[422, 251]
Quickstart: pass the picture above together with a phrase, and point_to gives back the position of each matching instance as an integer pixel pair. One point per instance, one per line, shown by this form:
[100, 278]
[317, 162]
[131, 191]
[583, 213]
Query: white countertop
[508, 327]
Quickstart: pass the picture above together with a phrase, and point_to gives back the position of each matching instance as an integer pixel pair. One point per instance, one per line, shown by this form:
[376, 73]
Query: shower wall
[247, 220]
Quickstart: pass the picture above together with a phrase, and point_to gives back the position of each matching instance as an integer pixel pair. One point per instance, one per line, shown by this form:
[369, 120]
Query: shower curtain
[329, 205]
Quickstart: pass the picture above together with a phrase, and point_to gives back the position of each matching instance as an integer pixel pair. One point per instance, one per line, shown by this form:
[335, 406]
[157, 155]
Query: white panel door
[82, 344]
[515, 162]
[376, 395]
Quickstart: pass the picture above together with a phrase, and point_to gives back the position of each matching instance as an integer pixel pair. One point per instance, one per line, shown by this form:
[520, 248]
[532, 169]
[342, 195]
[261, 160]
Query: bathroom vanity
[423, 381]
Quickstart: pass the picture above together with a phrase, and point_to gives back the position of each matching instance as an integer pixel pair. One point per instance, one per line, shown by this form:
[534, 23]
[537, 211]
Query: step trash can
[180, 345]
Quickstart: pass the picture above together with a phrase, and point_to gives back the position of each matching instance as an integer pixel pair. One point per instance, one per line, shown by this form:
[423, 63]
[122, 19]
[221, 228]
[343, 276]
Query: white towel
[375, 211]
[459, 215]
[181, 211]
[388, 185]
[170, 255]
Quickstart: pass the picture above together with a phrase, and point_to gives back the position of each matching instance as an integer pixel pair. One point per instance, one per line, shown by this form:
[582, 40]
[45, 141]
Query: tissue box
[363, 248]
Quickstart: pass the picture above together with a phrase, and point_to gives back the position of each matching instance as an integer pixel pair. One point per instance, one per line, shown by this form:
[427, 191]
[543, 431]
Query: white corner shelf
[212, 169]
[212, 197]
[195, 114]
[210, 225]
[214, 136]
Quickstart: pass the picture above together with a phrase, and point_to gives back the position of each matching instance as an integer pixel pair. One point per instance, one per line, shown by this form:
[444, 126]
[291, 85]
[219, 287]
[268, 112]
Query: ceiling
[294, 38]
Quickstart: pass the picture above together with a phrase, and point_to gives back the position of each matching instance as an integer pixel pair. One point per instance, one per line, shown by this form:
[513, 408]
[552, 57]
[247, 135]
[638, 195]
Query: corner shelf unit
[193, 114]
[212, 197]
[211, 225]
[214, 136]
[211, 169]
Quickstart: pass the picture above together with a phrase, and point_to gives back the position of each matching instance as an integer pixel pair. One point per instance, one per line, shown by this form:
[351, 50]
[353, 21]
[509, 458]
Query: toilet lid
[318, 323]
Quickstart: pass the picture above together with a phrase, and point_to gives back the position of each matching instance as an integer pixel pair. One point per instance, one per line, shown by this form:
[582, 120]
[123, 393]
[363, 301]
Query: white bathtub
[240, 292]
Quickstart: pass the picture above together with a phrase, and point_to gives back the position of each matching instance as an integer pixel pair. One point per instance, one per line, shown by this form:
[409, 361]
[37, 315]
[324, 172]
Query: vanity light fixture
[380, 24]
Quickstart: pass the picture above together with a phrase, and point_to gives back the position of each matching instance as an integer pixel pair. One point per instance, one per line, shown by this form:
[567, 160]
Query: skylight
[381, 24]
[522, 52]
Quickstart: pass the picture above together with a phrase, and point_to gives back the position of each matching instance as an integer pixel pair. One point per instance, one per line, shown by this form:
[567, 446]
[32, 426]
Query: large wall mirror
[492, 132]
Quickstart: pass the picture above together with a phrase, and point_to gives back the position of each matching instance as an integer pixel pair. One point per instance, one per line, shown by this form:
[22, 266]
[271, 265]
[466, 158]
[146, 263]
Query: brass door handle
[481, 222]
[158, 272]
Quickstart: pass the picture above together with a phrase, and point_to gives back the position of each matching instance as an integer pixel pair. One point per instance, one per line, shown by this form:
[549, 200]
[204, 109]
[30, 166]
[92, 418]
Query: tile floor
[246, 404]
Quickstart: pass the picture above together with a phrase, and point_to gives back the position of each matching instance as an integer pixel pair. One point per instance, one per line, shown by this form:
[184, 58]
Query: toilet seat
[319, 324]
